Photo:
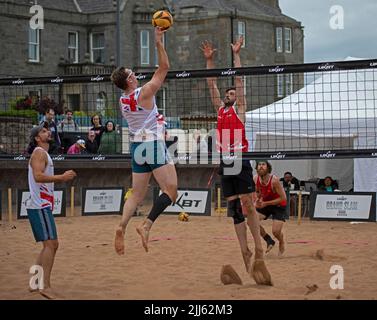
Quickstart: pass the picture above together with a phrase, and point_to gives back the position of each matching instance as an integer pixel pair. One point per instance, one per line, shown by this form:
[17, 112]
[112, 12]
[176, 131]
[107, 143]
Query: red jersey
[266, 192]
[231, 136]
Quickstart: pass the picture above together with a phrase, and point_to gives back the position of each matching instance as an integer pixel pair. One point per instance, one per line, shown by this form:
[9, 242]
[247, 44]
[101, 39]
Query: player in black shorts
[270, 200]
[236, 179]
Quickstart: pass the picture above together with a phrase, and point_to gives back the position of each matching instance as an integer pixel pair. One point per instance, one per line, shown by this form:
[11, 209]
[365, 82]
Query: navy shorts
[43, 224]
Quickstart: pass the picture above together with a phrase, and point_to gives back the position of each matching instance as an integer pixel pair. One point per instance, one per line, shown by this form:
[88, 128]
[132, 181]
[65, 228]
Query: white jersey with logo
[42, 194]
[143, 124]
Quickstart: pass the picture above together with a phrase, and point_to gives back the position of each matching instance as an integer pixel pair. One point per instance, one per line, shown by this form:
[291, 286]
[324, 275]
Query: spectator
[290, 182]
[110, 140]
[77, 148]
[327, 184]
[67, 129]
[68, 124]
[98, 128]
[91, 142]
[55, 143]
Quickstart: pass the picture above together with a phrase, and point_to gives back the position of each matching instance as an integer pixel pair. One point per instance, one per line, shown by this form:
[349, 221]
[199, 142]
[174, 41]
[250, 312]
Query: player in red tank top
[270, 199]
[238, 186]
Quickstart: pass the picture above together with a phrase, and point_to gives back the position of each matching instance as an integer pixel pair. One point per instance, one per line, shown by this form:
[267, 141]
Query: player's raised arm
[240, 94]
[208, 52]
[150, 88]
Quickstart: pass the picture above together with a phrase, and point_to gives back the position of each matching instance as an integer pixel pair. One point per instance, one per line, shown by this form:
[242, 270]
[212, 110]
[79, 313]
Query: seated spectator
[91, 142]
[290, 182]
[98, 128]
[77, 148]
[110, 140]
[328, 184]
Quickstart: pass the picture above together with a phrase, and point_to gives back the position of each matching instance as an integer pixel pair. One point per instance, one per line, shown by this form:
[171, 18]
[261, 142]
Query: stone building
[79, 37]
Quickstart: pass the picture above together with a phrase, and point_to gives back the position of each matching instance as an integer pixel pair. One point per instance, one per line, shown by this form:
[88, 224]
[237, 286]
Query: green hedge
[20, 113]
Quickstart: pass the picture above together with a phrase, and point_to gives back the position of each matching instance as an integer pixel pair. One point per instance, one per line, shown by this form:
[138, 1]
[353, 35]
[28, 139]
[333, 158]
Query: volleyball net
[320, 110]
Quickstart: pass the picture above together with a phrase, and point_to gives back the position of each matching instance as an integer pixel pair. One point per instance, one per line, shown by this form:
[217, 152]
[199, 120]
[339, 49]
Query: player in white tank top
[42, 194]
[146, 126]
[41, 184]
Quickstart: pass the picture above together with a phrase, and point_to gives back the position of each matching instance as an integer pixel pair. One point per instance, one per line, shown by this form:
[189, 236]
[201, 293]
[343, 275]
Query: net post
[299, 208]
[72, 201]
[10, 214]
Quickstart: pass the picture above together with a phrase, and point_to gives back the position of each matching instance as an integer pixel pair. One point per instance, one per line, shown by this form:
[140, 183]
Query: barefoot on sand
[229, 276]
[260, 273]
[119, 242]
[48, 293]
[144, 234]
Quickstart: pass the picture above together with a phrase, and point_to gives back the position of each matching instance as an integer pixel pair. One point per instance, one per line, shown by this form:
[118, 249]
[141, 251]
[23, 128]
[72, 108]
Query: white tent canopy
[336, 110]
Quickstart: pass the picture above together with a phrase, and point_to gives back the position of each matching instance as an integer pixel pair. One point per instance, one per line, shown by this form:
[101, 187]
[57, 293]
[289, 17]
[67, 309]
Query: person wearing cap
[237, 185]
[270, 200]
[77, 148]
[41, 179]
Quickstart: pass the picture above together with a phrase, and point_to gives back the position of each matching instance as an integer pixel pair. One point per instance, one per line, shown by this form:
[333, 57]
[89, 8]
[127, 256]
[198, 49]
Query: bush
[21, 113]
[80, 114]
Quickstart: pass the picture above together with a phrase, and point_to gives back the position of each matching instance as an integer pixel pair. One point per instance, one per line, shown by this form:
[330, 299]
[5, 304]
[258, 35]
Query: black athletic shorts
[242, 183]
[277, 212]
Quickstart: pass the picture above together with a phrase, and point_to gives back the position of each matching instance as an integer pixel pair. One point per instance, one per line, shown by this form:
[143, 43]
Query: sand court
[185, 259]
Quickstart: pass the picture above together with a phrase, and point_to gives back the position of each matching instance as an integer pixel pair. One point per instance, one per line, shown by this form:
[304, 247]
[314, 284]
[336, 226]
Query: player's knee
[52, 244]
[235, 211]
[247, 201]
[137, 197]
[171, 191]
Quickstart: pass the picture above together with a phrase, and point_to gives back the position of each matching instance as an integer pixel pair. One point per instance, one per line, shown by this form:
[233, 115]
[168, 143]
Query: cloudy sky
[322, 43]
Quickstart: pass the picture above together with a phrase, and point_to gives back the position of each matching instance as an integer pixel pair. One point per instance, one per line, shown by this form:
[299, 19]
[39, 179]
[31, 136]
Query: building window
[144, 47]
[97, 46]
[280, 85]
[288, 40]
[34, 45]
[242, 32]
[279, 39]
[161, 101]
[289, 84]
[73, 102]
[73, 47]
[155, 50]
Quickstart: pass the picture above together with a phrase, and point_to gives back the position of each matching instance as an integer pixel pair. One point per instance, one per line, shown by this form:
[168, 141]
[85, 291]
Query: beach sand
[185, 259]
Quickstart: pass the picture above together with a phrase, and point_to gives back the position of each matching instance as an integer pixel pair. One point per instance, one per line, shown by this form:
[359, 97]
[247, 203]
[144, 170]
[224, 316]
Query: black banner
[202, 73]
[194, 158]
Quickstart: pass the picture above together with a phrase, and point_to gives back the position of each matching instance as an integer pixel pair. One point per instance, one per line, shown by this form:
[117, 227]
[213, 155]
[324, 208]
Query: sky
[325, 42]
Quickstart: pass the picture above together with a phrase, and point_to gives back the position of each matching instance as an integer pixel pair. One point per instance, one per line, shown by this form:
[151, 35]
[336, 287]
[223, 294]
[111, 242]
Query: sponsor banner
[274, 69]
[23, 200]
[213, 158]
[359, 206]
[102, 201]
[190, 200]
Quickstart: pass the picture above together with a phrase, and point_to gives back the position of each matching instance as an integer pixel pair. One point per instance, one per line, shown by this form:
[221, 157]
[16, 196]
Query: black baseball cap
[35, 130]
